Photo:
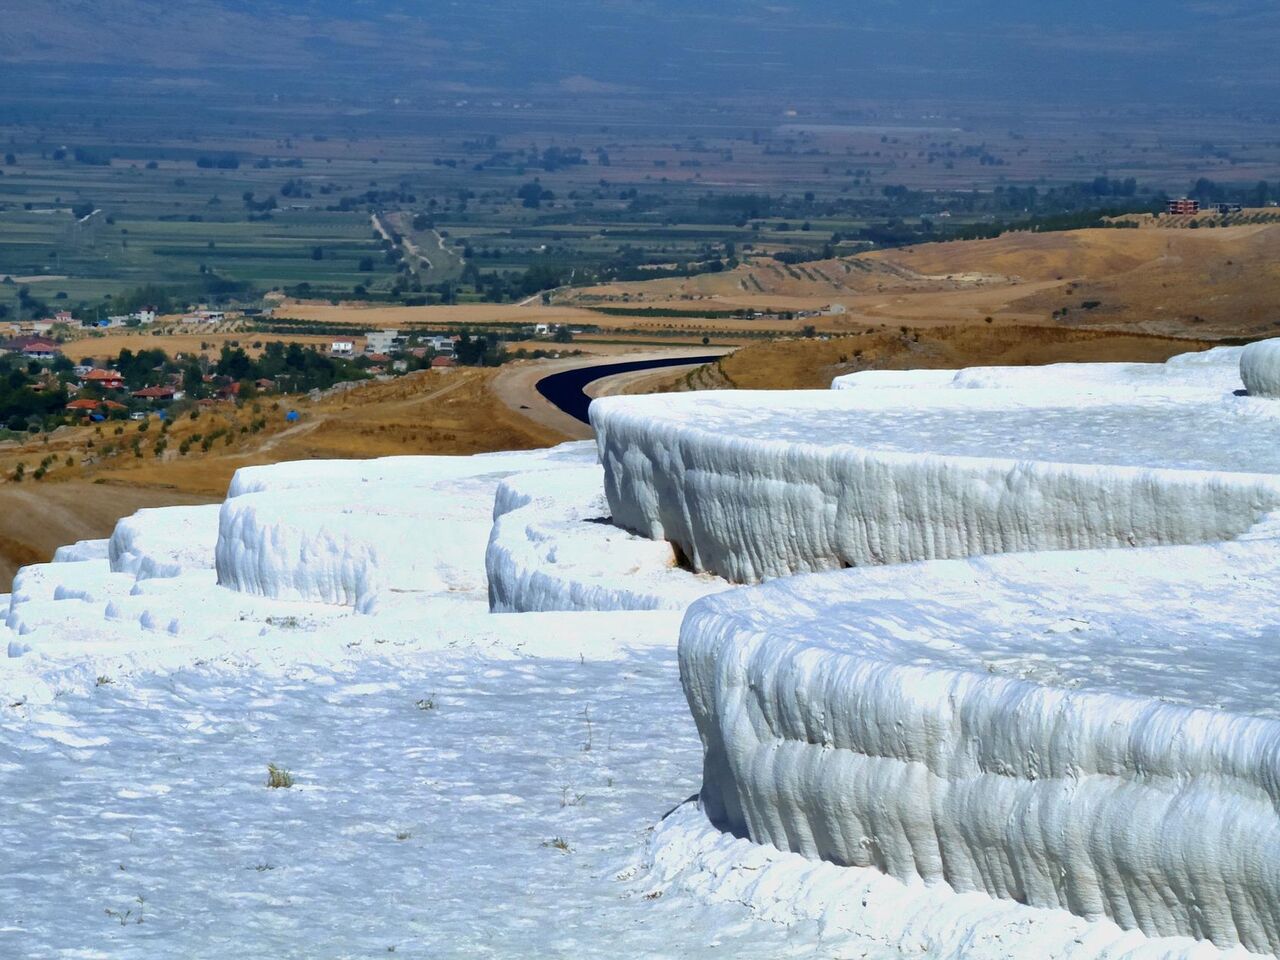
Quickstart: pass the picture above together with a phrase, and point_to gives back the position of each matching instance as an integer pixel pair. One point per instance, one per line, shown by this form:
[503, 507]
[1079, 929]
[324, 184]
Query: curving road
[566, 390]
[518, 385]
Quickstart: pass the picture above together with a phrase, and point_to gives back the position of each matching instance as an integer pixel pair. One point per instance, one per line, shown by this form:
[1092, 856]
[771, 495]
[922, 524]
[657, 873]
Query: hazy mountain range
[1215, 54]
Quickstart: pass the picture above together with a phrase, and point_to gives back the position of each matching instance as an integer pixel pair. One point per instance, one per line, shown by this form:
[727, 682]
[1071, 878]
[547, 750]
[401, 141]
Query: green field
[503, 215]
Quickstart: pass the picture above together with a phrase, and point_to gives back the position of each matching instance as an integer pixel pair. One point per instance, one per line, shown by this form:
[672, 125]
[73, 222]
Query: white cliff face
[372, 531]
[553, 547]
[164, 542]
[1260, 368]
[1034, 728]
[751, 485]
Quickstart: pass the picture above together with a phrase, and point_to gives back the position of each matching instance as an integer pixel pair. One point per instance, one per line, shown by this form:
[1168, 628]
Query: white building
[342, 348]
[384, 341]
[442, 346]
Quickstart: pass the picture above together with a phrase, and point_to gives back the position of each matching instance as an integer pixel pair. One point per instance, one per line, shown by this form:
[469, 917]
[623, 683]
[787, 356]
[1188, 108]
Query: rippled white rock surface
[753, 485]
[1090, 731]
[472, 783]
[1260, 368]
[553, 547]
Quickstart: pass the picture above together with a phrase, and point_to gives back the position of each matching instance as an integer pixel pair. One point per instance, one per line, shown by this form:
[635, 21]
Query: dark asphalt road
[565, 390]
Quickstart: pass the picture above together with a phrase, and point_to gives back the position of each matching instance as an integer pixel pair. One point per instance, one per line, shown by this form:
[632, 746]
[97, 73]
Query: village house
[158, 394]
[384, 342]
[33, 348]
[90, 407]
[106, 379]
[205, 316]
[441, 345]
[443, 363]
[342, 348]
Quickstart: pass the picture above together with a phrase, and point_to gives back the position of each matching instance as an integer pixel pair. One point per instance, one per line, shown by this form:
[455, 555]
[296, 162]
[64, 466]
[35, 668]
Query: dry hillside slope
[1219, 282]
[812, 364]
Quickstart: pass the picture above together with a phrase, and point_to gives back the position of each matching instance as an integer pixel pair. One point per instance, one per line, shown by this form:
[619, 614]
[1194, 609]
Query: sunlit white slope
[752, 485]
[1095, 732]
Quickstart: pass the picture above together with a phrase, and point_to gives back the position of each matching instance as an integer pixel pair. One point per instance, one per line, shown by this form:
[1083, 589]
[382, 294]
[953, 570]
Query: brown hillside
[812, 364]
[1211, 282]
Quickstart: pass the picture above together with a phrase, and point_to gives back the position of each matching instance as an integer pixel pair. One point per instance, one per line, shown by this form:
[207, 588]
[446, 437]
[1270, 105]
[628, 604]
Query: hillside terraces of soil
[812, 364]
[1206, 283]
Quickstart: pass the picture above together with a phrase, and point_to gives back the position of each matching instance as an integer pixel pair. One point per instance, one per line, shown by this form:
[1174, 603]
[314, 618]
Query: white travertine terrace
[1091, 731]
[1070, 755]
[552, 547]
[752, 485]
[371, 529]
[1260, 368]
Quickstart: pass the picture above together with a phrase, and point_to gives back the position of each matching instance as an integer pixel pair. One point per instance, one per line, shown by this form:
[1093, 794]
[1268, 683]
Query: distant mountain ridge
[1212, 54]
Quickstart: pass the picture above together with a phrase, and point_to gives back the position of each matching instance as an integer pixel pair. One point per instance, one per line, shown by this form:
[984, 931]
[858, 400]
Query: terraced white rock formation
[1038, 728]
[754, 485]
[553, 547]
[1213, 372]
[373, 531]
[1064, 755]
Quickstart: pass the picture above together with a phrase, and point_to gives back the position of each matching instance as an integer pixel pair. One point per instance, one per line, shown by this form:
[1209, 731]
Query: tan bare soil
[1211, 282]
[39, 518]
[173, 343]
[376, 316]
[812, 364]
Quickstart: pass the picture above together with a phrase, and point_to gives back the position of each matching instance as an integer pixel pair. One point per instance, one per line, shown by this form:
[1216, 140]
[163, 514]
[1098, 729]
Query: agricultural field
[522, 201]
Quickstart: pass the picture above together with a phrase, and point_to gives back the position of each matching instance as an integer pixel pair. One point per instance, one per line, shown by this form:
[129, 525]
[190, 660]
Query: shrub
[278, 777]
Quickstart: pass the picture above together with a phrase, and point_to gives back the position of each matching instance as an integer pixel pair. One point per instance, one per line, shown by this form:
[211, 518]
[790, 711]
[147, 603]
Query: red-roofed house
[156, 393]
[443, 363]
[106, 379]
[33, 348]
[86, 405]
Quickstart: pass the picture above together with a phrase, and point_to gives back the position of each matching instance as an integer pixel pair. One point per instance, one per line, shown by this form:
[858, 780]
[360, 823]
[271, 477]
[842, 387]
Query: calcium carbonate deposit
[521, 704]
[753, 485]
